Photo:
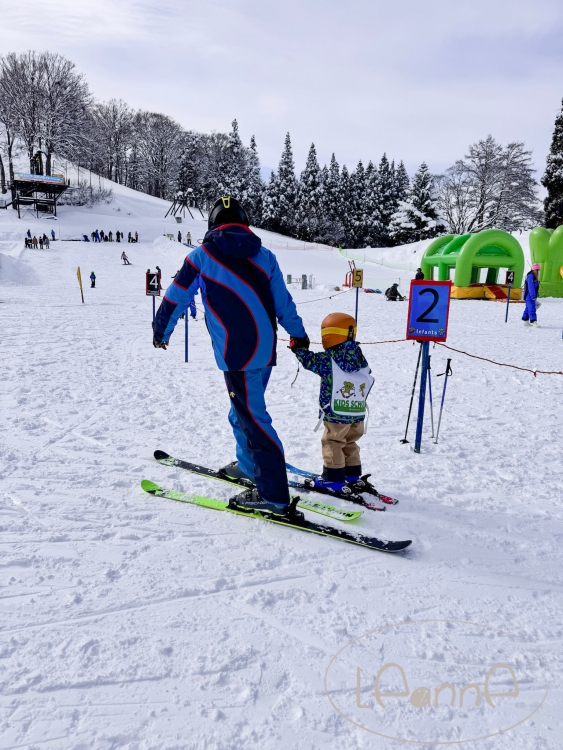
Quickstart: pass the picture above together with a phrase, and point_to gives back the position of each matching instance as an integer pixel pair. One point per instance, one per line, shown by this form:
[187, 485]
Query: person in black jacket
[393, 294]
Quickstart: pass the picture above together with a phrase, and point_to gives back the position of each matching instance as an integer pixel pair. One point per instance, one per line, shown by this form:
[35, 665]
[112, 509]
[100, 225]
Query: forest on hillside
[47, 109]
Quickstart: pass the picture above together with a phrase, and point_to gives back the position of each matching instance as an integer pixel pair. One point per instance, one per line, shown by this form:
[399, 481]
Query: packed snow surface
[134, 622]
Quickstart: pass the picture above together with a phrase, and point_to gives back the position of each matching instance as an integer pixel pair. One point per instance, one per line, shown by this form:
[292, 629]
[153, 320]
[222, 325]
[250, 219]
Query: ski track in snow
[133, 622]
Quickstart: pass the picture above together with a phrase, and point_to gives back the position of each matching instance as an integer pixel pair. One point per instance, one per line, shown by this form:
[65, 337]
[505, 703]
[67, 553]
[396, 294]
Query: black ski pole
[404, 440]
[447, 374]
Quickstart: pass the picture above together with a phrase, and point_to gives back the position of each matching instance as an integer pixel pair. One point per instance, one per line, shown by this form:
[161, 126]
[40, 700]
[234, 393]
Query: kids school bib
[350, 391]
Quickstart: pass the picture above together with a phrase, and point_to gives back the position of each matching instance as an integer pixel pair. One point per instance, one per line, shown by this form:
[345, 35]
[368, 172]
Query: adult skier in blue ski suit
[531, 290]
[244, 297]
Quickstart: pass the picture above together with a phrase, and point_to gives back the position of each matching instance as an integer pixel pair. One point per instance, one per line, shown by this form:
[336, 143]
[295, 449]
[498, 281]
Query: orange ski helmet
[337, 328]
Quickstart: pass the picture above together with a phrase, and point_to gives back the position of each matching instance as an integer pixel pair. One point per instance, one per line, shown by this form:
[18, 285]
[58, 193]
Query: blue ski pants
[259, 450]
[530, 310]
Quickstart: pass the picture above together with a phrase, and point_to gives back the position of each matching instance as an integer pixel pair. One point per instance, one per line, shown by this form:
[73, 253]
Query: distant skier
[110, 236]
[419, 275]
[53, 234]
[34, 242]
[189, 238]
[159, 275]
[92, 280]
[40, 242]
[179, 236]
[125, 259]
[393, 293]
[97, 236]
[118, 236]
[531, 289]
[46, 241]
[244, 296]
[136, 237]
[29, 233]
[345, 385]
[129, 237]
[193, 309]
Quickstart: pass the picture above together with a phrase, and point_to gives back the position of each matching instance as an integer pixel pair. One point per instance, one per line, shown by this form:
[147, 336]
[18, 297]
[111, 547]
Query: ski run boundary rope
[534, 371]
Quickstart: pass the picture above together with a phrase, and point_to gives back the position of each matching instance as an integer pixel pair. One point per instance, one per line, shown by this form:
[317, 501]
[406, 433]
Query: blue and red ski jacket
[243, 293]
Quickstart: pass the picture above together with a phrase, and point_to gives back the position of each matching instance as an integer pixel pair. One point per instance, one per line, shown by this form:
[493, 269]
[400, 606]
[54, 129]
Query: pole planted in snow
[422, 395]
[404, 440]
[447, 374]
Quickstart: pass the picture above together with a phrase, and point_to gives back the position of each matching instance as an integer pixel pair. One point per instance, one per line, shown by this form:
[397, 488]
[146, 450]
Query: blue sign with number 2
[429, 308]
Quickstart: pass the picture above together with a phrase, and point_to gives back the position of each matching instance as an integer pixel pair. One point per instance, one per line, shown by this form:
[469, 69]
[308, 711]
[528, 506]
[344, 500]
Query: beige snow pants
[339, 444]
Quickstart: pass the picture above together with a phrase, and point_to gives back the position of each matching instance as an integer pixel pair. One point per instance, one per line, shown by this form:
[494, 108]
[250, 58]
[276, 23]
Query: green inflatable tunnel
[546, 248]
[467, 254]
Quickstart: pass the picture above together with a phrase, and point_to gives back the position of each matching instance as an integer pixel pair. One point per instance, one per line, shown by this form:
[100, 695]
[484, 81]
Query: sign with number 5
[429, 309]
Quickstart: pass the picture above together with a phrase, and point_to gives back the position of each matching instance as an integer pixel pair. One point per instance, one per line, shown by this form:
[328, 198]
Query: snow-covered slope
[133, 622]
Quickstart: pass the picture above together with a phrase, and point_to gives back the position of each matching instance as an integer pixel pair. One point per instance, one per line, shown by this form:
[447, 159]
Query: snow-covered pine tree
[333, 228]
[309, 200]
[255, 184]
[332, 191]
[233, 177]
[387, 198]
[553, 177]
[187, 176]
[374, 228]
[344, 204]
[417, 216]
[402, 183]
[270, 203]
[356, 216]
[281, 194]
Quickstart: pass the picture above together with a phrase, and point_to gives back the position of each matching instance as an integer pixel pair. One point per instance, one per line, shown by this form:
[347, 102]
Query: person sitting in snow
[393, 293]
[345, 385]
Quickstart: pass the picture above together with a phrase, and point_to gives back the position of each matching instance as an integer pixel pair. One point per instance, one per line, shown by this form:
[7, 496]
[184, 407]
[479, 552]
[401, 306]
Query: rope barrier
[362, 343]
[459, 351]
[451, 348]
[502, 364]
[319, 299]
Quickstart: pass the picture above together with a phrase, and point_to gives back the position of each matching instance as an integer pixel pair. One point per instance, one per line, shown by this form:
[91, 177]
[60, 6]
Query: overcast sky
[418, 80]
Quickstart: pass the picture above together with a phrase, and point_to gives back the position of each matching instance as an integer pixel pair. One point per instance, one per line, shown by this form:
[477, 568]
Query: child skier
[531, 289]
[345, 384]
[93, 280]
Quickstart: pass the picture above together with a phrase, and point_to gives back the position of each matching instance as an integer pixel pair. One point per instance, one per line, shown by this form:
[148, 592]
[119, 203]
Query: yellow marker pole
[358, 282]
[79, 277]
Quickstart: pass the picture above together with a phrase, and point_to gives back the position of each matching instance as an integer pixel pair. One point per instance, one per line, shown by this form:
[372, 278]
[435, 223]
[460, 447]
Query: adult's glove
[299, 342]
[159, 344]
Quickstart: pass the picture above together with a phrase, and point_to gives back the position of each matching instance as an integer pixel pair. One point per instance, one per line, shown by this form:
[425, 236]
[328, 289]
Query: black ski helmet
[227, 210]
